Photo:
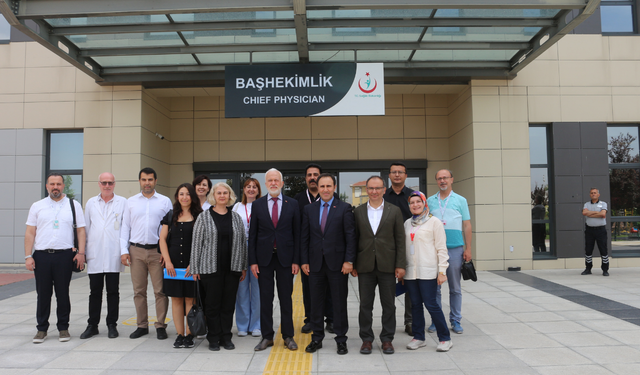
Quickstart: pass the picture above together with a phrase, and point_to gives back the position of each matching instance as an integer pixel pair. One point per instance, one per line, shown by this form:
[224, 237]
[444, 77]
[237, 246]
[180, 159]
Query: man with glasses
[399, 195]
[103, 216]
[452, 209]
[380, 260]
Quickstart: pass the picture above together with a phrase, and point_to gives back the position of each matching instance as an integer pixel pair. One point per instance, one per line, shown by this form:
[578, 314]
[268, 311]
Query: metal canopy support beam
[445, 4]
[52, 43]
[302, 38]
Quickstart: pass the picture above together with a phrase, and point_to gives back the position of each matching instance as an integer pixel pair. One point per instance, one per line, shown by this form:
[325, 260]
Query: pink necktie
[323, 221]
[274, 216]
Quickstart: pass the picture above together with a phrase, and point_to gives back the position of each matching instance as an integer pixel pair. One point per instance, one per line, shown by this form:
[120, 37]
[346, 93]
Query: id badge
[411, 249]
[56, 224]
[116, 225]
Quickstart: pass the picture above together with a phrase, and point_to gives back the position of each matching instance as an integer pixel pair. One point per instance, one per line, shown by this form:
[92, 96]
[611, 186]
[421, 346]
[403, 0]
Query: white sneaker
[242, 333]
[415, 344]
[256, 333]
[444, 346]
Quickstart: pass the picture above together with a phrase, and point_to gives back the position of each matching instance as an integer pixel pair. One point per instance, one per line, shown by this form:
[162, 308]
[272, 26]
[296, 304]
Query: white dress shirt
[49, 234]
[375, 215]
[141, 220]
[245, 214]
[270, 203]
[104, 222]
[206, 205]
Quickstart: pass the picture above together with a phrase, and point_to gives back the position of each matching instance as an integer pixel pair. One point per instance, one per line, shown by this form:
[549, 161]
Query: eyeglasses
[375, 188]
[397, 172]
[442, 178]
[107, 183]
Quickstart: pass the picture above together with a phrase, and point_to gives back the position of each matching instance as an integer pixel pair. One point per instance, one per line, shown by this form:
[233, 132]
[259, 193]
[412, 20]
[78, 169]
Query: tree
[294, 185]
[68, 191]
[624, 183]
[344, 197]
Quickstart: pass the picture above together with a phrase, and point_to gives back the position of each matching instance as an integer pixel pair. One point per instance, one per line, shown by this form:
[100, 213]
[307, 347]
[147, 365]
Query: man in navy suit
[328, 253]
[274, 248]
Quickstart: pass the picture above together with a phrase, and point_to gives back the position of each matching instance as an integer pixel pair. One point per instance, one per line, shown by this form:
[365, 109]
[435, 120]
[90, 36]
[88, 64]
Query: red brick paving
[8, 278]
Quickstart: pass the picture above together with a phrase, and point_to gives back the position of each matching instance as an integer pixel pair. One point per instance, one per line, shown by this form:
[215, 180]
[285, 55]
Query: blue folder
[400, 289]
[180, 275]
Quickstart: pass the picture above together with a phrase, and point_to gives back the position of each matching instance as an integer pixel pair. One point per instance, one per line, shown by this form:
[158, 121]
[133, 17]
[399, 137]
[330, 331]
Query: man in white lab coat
[103, 216]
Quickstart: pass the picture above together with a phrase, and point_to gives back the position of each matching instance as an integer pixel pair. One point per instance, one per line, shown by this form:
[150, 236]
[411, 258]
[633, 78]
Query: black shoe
[89, 332]
[228, 345]
[263, 344]
[161, 333]
[329, 327]
[408, 330]
[139, 332]
[113, 331]
[313, 346]
[342, 348]
[306, 328]
[214, 346]
[586, 272]
[604, 273]
[179, 343]
[188, 341]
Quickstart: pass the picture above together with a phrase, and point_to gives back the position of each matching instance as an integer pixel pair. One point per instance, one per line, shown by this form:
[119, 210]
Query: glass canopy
[116, 41]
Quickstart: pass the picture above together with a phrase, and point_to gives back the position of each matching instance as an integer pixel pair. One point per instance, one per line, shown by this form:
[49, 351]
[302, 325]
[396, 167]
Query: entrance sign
[300, 90]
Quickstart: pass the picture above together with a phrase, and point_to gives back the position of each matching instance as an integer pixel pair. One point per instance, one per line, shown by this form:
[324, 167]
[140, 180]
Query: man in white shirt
[103, 216]
[48, 250]
[139, 249]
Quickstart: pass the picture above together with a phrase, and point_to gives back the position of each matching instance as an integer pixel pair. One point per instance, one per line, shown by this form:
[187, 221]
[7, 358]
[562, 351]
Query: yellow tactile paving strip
[283, 361]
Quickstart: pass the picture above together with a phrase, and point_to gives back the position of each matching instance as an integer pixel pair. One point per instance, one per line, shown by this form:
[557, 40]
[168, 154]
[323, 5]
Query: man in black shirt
[399, 195]
[312, 171]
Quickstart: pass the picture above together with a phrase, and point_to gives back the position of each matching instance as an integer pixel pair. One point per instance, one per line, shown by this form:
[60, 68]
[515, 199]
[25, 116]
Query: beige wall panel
[181, 152]
[490, 82]
[49, 115]
[161, 168]
[12, 55]
[242, 129]
[487, 246]
[489, 265]
[11, 98]
[126, 140]
[551, 264]
[513, 108]
[517, 218]
[459, 143]
[182, 114]
[289, 150]
[242, 151]
[465, 188]
[180, 174]
[524, 264]
[395, 112]
[460, 117]
[586, 108]
[432, 189]
[84, 84]
[97, 141]
[544, 108]
[625, 73]
[516, 190]
[93, 114]
[207, 114]
[39, 56]
[50, 97]
[393, 101]
[338, 149]
[513, 90]
[437, 126]
[13, 81]
[380, 127]
[180, 104]
[415, 148]
[550, 54]
[207, 103]
[515, 134]
[521, 242]
[126, 167]
[90, 96]
[583, 47]
[413, 101]
[127, 88]
[487, 190]
[585, 91]
[127, 113]
[488, 218]
[628, 262]
[46, 80]
[127, 95]
[380, 149]
[288, 128]
[436, 111]
[515, 163]
[624, 48]
[433, 168]
[416, 111]
[12, 115]
[206, 151]
[626, 108]
[484, 90]
[149, 117]
[154, 147]
[486, 135]
[126, 189]
[462, 166]
[486, 108]
[585, 73]
[436, 101]
[538, 73]
[415, 127]
[181, 130]
[437, 150]
[488, 163]
[93, 165]
[334, 127]
[455, 100]
[206, 129]
[545, 91]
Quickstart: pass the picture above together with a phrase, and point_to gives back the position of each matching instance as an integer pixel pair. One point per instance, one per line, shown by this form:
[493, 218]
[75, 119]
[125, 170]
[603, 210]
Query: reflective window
[541, 223]
[617, 16]
[5, 30]
[65, 156]
[623, 144]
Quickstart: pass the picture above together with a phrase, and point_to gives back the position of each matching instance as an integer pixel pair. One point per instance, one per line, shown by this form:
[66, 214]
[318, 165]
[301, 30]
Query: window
[64, 156]
[617, 16]
[5, 30]
[542, 227]
[624, 184]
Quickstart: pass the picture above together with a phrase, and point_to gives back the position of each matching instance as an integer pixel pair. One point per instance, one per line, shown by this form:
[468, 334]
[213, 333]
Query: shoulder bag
[195, 317]
[76, 266]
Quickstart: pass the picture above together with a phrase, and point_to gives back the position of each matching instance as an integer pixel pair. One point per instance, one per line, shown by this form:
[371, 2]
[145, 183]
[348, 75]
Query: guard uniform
[595, 231]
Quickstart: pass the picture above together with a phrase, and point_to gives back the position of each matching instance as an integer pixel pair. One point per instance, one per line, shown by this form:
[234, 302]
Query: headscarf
[417, 220]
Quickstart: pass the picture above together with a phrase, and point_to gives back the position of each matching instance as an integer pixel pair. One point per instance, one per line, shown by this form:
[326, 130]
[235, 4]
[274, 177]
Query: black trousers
[267, 285]
[593, 235]
[221, 288]
[306, 299]
[336, 284]
[53, 272]
[96, 284]
[386, 283]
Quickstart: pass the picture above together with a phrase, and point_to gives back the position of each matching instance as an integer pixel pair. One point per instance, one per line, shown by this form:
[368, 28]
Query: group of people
[236, 255]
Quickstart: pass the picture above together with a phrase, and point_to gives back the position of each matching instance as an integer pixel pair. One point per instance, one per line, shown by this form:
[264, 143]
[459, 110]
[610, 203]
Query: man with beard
[274, 249]
[305, 198]
[48, 249]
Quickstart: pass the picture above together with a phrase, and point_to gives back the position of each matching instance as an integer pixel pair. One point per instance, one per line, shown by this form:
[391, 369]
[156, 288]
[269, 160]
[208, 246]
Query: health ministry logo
[367, 82]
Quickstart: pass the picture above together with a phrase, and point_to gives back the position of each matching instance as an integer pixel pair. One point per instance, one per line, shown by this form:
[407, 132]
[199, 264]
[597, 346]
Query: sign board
[300, 90]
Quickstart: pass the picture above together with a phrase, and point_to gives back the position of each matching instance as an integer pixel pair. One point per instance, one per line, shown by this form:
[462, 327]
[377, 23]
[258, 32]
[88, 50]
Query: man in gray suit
[380, 260]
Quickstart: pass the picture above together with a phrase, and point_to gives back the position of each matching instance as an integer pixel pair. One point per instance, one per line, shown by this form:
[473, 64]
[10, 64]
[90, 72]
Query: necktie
[274, 216]
[323, 221]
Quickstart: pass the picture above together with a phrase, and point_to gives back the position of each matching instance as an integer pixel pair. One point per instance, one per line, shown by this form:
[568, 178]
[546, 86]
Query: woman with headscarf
[427, 263]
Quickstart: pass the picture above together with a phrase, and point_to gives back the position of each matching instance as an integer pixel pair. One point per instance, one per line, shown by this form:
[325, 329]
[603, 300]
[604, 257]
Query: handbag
[469, 271]
[195, 317]
[76, 266]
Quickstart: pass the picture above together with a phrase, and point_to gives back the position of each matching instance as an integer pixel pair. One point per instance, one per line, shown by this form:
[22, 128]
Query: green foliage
[68, 191]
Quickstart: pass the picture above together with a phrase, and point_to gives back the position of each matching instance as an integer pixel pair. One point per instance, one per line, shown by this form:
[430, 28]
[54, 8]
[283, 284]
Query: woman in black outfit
[219, 261]
[175, 245]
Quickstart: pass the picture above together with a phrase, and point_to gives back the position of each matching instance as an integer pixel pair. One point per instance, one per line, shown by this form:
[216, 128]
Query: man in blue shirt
[452, 209]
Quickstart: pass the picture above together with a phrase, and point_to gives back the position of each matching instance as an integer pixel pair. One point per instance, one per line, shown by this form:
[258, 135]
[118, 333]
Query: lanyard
[309, 197]
[56, 207]
[443, 210]
[413, 231]
[246, 213]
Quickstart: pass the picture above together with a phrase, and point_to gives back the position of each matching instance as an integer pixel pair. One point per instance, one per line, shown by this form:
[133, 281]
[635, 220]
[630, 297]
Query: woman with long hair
[175, 246]
[202, 184]
[248, 298]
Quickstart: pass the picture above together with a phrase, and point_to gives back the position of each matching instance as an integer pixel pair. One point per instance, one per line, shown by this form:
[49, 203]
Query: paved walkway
[515, 323]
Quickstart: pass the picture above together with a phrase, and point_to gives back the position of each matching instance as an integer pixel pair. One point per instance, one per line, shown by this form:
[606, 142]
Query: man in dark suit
[380, 260]
[328, 252]
[274, 248]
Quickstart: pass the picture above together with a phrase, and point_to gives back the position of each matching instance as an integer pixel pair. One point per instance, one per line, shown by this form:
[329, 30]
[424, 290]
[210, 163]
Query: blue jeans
[248, 304]
[424, 292]
[454, 275]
